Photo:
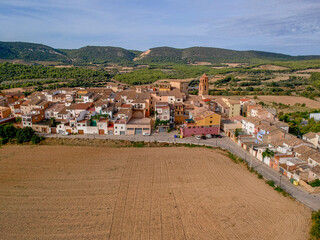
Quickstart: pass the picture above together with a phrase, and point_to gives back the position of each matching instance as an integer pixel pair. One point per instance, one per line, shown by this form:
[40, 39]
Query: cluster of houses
[268, 139]
[113, 110]
[141, 110]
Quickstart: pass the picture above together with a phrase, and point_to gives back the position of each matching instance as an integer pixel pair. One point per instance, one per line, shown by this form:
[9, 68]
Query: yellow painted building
[208, 119]
[205, 123]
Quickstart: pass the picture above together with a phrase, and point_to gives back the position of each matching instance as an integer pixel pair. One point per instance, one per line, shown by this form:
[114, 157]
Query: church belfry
[204, 85]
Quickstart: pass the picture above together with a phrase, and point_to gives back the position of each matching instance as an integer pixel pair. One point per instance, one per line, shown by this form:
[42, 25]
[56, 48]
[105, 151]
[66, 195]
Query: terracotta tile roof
[56, 107]
[253, 120]
[126, 106]
[237, 118]
[80, 106]
[315, 156]
[304, 152]
[310, 135]
[316, 170]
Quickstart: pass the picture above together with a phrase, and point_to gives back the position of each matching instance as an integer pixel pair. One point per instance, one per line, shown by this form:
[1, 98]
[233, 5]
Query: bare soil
[285, 76]
[309, 70]
[271, 67]
[76, 192]
[290, 100]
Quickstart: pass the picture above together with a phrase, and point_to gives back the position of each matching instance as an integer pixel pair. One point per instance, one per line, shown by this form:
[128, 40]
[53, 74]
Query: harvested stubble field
[290, 100]
[77, 192]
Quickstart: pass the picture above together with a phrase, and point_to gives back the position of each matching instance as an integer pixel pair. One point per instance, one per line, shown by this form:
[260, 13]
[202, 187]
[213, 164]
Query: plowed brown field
[64, 192]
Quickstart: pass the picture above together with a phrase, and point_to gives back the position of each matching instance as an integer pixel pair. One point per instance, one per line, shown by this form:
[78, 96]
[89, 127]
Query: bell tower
[204, 85]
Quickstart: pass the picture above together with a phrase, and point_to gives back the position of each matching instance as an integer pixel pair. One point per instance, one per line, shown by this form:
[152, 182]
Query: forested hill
[94, 54]
[30, 52]
[213, 55]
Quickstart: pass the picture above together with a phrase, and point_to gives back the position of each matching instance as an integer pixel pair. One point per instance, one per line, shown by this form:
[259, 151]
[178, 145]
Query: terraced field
[68, 192]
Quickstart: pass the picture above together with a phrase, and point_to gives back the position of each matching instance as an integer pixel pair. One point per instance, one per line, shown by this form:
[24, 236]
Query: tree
[35, 139]
[18, 119]
[7, 131]
[268, 153]
[237, 132]
[53, 122]
[24, 134]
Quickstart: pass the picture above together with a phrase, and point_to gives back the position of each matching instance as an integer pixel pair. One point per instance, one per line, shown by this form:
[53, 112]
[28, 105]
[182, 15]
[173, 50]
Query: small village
[144, 110]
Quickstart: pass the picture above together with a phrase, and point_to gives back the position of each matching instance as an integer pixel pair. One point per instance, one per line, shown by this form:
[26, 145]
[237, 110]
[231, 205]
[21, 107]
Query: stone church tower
[204, 85]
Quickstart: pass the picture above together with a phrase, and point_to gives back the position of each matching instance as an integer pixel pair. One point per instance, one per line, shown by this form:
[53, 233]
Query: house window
[116, 127]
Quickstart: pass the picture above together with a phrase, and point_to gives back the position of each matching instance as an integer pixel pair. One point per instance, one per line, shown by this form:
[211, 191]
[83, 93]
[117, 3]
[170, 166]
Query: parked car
[208, 136]
[198, 137]
[65, 134]
[216, 136]
[146, 134]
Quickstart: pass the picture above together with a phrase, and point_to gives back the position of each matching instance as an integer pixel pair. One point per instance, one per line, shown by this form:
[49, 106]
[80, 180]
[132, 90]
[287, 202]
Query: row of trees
[295, 119]
[9, 71]
[9, 133]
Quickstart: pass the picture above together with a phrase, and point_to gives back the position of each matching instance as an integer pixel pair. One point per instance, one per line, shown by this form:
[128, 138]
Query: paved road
[300, 194]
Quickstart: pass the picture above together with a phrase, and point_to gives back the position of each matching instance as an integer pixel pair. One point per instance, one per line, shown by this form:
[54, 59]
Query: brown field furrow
[115, 222]
[61, 192]
[179, 229]
[166, 204]
[155, 212]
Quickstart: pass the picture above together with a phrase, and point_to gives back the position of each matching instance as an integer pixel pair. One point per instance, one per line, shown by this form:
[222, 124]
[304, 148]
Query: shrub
[35, 139]
[315, 183]
[24, 134]
[138, 144]
[7, 131]
[233, 157]
[280, 190]
[4, 141]
[270, 183]
[260, 176]
[315, 230]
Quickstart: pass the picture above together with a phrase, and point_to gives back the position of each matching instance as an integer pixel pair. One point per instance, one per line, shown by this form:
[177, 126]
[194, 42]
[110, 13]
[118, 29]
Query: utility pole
[251, 163]
[280, 180]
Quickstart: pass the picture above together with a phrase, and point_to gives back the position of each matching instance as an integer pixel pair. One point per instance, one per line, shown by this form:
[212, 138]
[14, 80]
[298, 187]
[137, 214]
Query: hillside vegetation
[92, 54]
[98, 55]
[30, 51]
[213, 55]
[19, 75]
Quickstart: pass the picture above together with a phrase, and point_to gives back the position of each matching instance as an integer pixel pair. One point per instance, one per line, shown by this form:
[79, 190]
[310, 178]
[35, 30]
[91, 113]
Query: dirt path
[61, 192]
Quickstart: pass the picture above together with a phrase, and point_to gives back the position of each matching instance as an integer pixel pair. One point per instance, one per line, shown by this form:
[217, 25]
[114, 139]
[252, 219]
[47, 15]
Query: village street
[300, 194]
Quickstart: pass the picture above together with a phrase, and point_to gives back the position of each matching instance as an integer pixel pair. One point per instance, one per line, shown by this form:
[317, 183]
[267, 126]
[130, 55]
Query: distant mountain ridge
[99, 54]
[30, 51]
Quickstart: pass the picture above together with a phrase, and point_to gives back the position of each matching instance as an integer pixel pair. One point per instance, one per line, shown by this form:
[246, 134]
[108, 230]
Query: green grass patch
[315, 229]
[138, 144]
[270, 183]
[282, 191]
[233, 157]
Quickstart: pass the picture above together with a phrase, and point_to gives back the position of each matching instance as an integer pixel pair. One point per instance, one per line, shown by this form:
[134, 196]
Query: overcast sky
[285, 26]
